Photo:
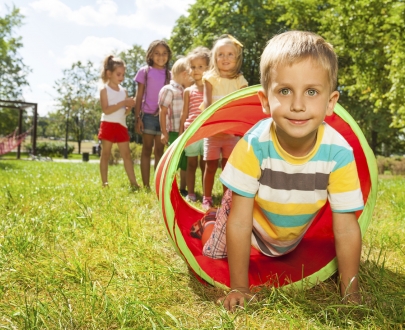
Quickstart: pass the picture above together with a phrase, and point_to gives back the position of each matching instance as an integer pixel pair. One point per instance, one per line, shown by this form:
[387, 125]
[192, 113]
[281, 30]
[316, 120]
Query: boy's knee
[191, 167]
[212, 166]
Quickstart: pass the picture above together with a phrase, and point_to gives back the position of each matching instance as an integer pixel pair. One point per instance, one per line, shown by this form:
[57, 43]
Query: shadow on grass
[383, 300]
[8, 163]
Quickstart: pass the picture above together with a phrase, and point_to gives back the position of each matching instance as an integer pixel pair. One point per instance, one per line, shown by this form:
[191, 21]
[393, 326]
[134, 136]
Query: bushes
[135, 148]
[50, 149]
[394, 165]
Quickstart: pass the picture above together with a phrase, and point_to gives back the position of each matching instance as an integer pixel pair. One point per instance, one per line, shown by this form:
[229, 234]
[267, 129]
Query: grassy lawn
[25, 156]
[75, 256]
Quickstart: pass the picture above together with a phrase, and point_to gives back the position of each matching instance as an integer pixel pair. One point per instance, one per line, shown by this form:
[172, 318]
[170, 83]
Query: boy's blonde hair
[179, 66]
[199, 52]
[223, 40]
[294, 46]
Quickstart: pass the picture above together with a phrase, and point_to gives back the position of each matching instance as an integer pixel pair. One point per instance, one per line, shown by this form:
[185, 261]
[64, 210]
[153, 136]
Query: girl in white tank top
[115, 105]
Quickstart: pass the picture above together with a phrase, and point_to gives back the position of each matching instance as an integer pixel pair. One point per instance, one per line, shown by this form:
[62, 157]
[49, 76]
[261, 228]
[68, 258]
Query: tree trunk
[374, 139]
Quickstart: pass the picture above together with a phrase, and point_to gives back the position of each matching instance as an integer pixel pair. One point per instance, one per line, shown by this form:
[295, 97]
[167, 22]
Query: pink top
[154, 82]
[195, 100]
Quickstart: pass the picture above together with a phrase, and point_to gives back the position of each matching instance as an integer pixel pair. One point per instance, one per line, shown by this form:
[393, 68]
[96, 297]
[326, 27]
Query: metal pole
[19, 132]
[67, 133]
[34, 141]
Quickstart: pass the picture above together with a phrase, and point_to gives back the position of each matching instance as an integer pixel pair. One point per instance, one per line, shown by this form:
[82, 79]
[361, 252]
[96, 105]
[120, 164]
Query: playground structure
[314, 259]
[14, 139]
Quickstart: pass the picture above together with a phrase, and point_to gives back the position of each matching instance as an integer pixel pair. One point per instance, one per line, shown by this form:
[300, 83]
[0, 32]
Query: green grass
[75, 256]
[25, 156]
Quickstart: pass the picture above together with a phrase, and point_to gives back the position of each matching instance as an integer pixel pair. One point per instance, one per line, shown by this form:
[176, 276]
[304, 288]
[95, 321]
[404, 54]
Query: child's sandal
[198, 227]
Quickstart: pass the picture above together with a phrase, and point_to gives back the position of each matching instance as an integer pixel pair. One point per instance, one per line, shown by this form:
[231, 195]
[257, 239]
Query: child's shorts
[113, 132]
[183, 159]
[215, 247]
[215, 146]
[151, 124]
[195, 149]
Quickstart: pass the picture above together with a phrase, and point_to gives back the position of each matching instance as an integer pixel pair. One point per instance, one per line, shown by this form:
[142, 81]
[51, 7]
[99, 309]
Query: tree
[76, 99]
[367, 36]
[252, 22]
[395, 50]
[134, 59]
[13, 70]
[43, 123]
[57, 125]
[8, 121]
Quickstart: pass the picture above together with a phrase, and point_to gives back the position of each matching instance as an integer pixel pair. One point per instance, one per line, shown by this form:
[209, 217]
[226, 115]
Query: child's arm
[128, 108]
[184, 112]
[138, 104]
[243, 81]
[162, 119]
[207, 94]
[348, 249]
[128, 102]
[238, 240]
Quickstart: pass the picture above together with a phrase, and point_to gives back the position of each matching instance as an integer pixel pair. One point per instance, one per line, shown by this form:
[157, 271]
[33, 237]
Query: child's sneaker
[191, 198]
[183, 192]
[207, 203]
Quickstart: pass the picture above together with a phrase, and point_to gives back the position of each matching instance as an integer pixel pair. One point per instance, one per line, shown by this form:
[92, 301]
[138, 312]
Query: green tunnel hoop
[235, 114]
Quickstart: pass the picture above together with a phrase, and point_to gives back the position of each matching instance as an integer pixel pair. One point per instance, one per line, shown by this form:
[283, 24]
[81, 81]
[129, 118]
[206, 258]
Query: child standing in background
[150, 79]
[115, 105]
[223, 78]
[171, 105]
[198, 62]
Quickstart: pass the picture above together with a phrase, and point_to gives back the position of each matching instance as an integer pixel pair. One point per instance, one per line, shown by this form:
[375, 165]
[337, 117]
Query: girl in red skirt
[115, 105]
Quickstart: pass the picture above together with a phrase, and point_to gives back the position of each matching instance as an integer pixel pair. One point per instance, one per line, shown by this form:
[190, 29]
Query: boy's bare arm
[184, 112]
[238, 240]
[162, 119]
[348, 250]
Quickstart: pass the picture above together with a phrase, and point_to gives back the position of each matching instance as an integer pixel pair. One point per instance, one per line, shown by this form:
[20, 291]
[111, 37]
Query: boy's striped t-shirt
[289, 191]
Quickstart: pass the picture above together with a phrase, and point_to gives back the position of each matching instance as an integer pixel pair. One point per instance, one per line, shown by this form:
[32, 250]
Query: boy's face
[298, 99]
[184, 79]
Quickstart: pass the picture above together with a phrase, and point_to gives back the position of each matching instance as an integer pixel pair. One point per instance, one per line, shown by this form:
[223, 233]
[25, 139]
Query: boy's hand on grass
[236, 298]
[352, 298]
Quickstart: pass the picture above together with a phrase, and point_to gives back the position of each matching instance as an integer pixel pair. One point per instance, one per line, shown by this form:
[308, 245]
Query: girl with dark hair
[150, 79]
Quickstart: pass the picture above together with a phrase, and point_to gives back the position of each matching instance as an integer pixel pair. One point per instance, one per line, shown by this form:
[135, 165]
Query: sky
[57, 33]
